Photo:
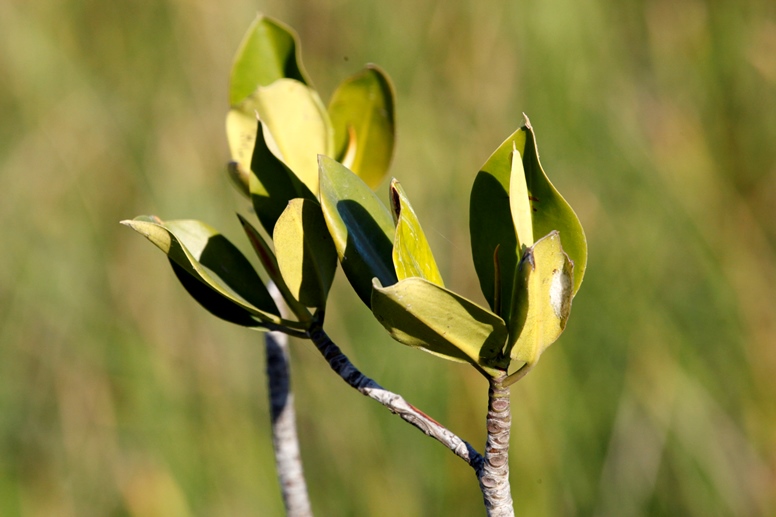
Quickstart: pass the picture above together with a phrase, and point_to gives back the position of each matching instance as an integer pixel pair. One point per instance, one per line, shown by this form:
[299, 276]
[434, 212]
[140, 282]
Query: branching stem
[394, 402]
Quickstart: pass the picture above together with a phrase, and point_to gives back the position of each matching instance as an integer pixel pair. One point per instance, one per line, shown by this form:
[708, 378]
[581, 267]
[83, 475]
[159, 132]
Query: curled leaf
[362, 115]
[542, 299]
[493, 216]
[412, 255]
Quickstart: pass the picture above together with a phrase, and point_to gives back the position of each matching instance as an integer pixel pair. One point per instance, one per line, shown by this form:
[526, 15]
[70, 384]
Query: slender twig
[284, 436]
[394, 402]
[494, 473]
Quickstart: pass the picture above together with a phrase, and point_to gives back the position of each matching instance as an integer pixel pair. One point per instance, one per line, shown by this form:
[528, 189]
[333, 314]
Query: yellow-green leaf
[269, 261]
[362, 115]
[421, 314]
[551, 211]
[297, 127]
[241, 137]
[305, 252]
[269, 51]
[493, 238]
[542, 302]
[519, 203]
[270, 183]
[198, 252]
[492, 222]
[412, 255]
[360, 226]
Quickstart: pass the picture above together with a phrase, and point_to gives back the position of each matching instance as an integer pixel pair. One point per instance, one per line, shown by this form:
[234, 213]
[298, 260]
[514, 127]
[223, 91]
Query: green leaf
[412, 255]
[270, 184]
[240, 177]
[519, 203]
[362, 115]
[551, 211]
[493, 238]
[235, 291]
[421, 314]
[305, 252]
[241, 137]
[269, 51]
[269, 261]
[542, 303]
[360, 226]
[297, 127]
[492, 225]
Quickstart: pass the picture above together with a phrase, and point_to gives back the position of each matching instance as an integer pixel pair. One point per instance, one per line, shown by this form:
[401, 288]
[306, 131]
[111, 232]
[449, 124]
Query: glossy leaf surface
[235, 290]
[519, 203]
[269, 51]
[297, 127]
[241, 137]
[268, 260]
[491, 222]
[421, 314]
[270, 184]
[551, 211]
[360, 226]
[543, 293]
[412, 256]
[305, 252]
[363, 119]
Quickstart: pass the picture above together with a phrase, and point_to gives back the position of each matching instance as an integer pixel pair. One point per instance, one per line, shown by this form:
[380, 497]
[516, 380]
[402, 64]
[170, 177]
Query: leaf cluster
[309, 170]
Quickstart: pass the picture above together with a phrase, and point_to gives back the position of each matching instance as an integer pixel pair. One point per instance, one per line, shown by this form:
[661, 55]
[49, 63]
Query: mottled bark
[395, 403]
[494, 473]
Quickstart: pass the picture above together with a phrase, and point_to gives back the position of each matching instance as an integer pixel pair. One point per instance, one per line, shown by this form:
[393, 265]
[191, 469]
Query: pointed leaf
[543, 293]
[305, 252]
[297, 127]
[421, 314]
[412, 255]
[551, 211]
[269, 51]
[493, 237]
[362, 115]
[360, 226]
[491, 222]
[207, 256]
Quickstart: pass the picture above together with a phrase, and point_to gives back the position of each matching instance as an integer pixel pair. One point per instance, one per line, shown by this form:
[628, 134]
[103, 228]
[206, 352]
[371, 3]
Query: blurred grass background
[656, 119]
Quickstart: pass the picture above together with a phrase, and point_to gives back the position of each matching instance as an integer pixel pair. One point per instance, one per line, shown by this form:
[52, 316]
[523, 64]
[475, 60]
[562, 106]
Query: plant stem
[394, 402]
[285, 441]
[494, 473]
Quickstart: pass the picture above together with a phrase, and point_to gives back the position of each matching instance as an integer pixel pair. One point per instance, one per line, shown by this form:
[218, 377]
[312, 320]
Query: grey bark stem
[394, 402]
[494, 473]
[285, 441]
